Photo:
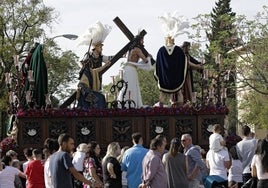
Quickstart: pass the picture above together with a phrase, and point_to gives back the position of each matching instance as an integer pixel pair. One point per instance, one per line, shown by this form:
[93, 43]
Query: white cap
[173, 25]
[97, 33]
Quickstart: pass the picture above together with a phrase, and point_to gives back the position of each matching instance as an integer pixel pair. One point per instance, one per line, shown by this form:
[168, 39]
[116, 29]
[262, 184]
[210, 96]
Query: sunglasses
[183, 140]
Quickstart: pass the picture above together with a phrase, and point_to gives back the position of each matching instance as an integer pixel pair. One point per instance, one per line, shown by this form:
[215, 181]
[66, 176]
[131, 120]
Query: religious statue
[193, 64]
[171, 62]
[89, 86]
[130, 74]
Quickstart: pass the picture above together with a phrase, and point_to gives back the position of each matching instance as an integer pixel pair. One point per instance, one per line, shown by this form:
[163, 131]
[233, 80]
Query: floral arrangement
[8, 143]
[149, 111]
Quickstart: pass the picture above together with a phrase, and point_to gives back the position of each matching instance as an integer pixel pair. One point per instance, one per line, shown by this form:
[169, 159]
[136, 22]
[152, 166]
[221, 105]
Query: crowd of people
[228, 163]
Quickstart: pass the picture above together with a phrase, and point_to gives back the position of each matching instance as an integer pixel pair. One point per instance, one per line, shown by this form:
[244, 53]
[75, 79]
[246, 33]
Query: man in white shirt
[245, 150]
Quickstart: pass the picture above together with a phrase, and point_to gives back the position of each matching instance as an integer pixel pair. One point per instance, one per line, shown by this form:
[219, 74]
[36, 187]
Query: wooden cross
[132, 39]
[117, 56]
[130, 36]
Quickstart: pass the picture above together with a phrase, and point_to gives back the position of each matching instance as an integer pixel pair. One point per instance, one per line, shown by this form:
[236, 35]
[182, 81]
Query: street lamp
[68, 36]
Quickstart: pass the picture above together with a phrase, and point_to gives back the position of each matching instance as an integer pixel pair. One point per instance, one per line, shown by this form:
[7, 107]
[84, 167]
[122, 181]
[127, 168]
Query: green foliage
[21, 24]
[148, 86]
[218, 32]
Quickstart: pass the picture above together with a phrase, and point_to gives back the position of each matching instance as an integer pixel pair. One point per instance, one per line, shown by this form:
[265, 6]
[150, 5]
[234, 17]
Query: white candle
[30, 75]
[227, 75]
[218, 59]
[7, 75]
[194, 97]
[11, 96]
[129, 93]
[121, 74]
[205, 77]
[48, 101]
[28, 96]
[16, 60]
[113, 80]
[107, 97]
[211, 93]
[224, 93]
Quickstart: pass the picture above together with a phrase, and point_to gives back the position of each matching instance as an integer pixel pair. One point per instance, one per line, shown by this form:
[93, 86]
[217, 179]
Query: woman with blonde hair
[112, 175]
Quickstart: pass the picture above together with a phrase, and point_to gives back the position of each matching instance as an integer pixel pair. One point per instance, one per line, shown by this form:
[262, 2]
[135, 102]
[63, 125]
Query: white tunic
[130, 75]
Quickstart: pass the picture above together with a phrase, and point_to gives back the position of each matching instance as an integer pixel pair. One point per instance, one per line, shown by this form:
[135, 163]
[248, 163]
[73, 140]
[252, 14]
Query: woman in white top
[7, 175]
[259, 163]
[236, 169]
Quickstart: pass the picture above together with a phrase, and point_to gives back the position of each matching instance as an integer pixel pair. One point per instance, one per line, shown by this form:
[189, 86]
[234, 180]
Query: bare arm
[195, 66]
[253, 171]
[80, 177]
[110, 168]
[94, 175]
[21, 174]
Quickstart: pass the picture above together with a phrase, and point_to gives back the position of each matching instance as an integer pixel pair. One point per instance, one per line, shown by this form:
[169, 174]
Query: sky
[76, 16]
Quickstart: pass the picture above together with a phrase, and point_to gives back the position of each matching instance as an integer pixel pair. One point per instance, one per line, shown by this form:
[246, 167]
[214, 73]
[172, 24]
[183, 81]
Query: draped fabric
[170, 69]
[188, 88]
[89, 84]
[39, 68]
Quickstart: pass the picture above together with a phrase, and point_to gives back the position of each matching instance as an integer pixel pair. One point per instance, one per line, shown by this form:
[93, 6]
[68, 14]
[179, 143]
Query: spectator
[112, 175]
[93, 165]
[153, 171]
[50, 147]
[218, 163]
[16, 163]
[216, 141]
[259, 163]
[195, 164]
[35, 171]
[124, 173]
[7, 175]
[235, 171]
[245, 150]
[78, 162]
[12, 154]
[61, 166]
[176, 165]
[232, 138]
[132, 161]
[28, 153]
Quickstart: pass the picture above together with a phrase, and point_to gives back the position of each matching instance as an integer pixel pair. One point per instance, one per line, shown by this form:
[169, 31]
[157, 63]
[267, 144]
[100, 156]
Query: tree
[250, 67]
[220, 35]
[22, 22]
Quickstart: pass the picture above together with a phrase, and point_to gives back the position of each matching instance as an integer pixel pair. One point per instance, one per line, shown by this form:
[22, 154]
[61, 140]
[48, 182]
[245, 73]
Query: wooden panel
[186, 125]
[203, 122]
[104, 130]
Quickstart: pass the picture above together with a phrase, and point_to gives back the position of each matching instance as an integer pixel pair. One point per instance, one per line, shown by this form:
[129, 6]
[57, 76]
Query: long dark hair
[264, 155]
[174, 147]
[93, 155]
[136, 42]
